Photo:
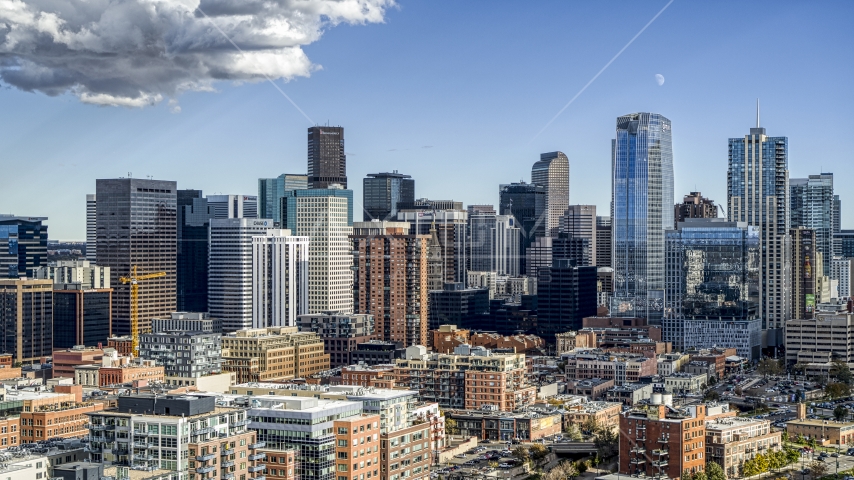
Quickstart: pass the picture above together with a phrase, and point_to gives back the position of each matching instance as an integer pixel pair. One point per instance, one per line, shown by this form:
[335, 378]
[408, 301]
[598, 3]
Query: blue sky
[453, 93]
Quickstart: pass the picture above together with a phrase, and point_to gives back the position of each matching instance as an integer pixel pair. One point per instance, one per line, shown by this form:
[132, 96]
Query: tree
[792, 456]
[840, 371]
[701, 475]
[840, 412]
[818, 469]
[762, 463]
[776, 460]
[605, 441]
[837, 390]
[582, 467]
[450, 426]
[713, 380]
[590, 425]
[715, 471]
[521, 454]
[785, 437]
[712, 396]
[738, 391]
[769, 366]
[538, 451]
[573, 432]
[562, 471]
[749, 468]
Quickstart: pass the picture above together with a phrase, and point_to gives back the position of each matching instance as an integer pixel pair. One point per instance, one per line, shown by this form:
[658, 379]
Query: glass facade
[23, 245]
[712, 271]
[327, 162]
[758, 194]
[527, 203]
[81, 317]
[271, 191]
[813, 206]
[383, 192]
[193, 247]
[552, 173]
[642, 209]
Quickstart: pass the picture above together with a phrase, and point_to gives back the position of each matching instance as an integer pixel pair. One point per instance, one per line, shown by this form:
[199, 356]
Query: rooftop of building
[501, 414]
[361, 367]
[301, 404]
[734, 422]
[590, 382]
[11, 462]
[684, 375]
[629, 387]
[346, 390]
[819, 422]
[218, 410]
[138, 474]
[597, 354]
[594, 407]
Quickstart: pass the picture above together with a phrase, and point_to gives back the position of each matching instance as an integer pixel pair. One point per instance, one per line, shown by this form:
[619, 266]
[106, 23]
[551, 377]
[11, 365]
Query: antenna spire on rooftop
[757, 113]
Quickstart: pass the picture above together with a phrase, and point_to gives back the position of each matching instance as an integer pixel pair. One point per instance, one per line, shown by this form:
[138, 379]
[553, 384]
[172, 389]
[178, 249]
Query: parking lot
[477, 461]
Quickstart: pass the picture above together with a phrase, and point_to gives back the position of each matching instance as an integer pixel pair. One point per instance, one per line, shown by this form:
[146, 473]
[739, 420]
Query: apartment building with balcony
[505, 426]
[191, 436]
[732, 441]
[469, 378]
[55, 414]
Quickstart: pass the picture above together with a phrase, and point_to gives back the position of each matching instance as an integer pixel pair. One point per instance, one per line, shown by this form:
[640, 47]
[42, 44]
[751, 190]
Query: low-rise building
[25, 467]
[672, 362]
[276, 353]
[488, 425]
[601, 414]
[470, 378]
[341, 332]
[826, 432]
[568, 341]
[127, 371]
[379, 376]
[696, 367]
[732, 441]
[684, 382]
[54, 414]
[629, 394]
[592, 388]
[122, 345]
[620, 368]
[377, 352]
[65, 361]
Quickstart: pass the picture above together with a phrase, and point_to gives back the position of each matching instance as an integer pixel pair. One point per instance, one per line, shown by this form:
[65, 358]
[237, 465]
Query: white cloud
[135, 53]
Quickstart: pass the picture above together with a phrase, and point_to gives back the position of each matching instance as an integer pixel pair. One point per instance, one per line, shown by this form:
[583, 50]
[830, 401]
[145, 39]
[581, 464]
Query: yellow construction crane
[134, 280]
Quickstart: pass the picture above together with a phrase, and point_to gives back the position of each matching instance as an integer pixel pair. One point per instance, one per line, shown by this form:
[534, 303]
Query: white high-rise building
[552, 172]
[83, 272]
[841, 270]
[506, 238]
[233, 206]
[91, 227]
[758, 193]
[279, 279]
[230, 270]
[324, 220]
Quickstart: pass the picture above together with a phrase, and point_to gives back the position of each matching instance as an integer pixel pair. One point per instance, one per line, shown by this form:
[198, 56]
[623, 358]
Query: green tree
[699, 476]
[837, 390]
[840, 371]
[785, 437]
[521, 454]
[769, 366]
[450, 426]
[582, 466]
[839, 413]
[686, 475]
[776, 460]
[792, 456]
[590, 425]
[762, 463]
[538, 451]
[606, 441]
[573, 432]
[715, 471]
[749, 468]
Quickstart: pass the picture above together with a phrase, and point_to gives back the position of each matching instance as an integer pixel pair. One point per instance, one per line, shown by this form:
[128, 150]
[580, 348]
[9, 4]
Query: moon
[659, 78]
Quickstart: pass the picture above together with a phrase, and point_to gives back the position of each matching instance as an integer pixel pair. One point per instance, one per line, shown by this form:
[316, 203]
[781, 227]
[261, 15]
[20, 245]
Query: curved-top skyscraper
[641, 210]
[552, 172]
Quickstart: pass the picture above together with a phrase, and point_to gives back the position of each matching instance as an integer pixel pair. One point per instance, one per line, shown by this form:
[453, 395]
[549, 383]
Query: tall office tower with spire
[758, 193]
[327, 162]
[814, 206]
[383, 192]
[642, 209]
[91, 228]
[137, 226]
[272, 190]
[552, 172]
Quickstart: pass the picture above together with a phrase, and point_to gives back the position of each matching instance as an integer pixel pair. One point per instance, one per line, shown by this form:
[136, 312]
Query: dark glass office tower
[327, 162]
[642, 209]
[81, 316]
[271, 191]
[527, 203]
[23, 245]
[193, 246]
[137, 225]
[566, 293]
[26, 319]
[382, 192]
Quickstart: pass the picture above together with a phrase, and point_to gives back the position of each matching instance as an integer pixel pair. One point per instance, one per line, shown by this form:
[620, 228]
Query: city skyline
[216, 129]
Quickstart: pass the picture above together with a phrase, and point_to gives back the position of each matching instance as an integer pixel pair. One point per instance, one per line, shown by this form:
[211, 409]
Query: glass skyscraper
[271, 191]
[814, 206]
[642, 209]
[23, 245]
[327, 162]
[383, 192]
[758, 194]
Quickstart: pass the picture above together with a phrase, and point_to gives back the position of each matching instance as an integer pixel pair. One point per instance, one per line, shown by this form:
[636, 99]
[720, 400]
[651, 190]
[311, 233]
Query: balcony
[227, 452]
[205, 470]
[227, 464]
[257, 468]
[638, 450]
[227, 476]
[257, 445]
[140, 444]
[205, 458]
[660, 463]
[637, 461]
[202, 431]
[260, 477]
[240, 423]
[664, 440]
[258, 456]
[660, 451]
